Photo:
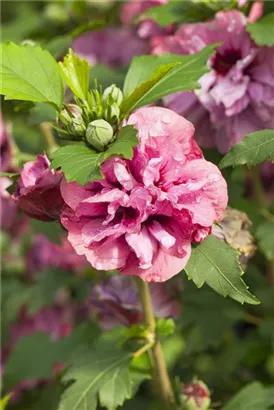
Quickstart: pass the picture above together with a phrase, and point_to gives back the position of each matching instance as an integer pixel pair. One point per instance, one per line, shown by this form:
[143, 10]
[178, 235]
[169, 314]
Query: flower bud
[77, 126]
[38, 190]
[112, 112]
[113, 94]
[195, 396]
[99, 134]
[75, 111]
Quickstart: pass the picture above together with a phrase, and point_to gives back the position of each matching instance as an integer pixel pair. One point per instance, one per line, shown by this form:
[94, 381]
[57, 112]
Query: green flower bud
[113, 94]
[99, 134]
[77, 126]
[112, 112]
[75, 111]
[195, 396]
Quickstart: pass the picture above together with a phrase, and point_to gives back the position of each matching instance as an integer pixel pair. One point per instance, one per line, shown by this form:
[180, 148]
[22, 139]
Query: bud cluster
[106, 105]
[95, 121]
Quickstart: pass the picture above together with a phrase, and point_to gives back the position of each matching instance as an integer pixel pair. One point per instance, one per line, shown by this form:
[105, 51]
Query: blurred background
[49, 293]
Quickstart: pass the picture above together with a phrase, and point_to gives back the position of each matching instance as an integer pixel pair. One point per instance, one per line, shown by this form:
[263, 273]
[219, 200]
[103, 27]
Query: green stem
[159, 369]
[258, 189]
[46, 130]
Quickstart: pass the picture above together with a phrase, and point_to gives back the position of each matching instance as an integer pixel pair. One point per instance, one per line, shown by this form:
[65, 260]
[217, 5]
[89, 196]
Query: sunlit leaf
[31, 74]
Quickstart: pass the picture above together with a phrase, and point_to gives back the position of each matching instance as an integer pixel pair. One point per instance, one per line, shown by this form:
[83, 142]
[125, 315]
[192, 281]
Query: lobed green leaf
[98, 373]
[216, 263]
[31, 74]
[254, 149]
[82, 164]
[34, 356]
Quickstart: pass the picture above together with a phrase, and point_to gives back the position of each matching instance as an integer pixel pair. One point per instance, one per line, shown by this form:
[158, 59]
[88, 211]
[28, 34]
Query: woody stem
[159, 370]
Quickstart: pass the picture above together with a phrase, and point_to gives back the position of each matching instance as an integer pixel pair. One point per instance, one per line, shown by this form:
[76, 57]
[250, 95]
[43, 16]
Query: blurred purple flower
[132, 9]
[8, 207]
[54, 321]
[38, 190]
[147, 27]
[5, 144]
[113, 46]
[116, 302]
[44, 254]
[237, 95]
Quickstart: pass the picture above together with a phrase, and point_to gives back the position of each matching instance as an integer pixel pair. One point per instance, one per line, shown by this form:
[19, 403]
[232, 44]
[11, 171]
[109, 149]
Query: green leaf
[82, 164]
[216, 263]
[254, 149]
[150, 78]
[41, 112]
[98, 373]
[134, 100]
[165, 327]
[254, 396]
[75, 72]
[48, 282]
[14, 295]
[44, 398]
[78, 162]
[265, 237]
[31, 74]
[34, 356]
[4, 401]
[163, 15]
[124, 143]
[208, 318]
[106, 76]
[262, 31]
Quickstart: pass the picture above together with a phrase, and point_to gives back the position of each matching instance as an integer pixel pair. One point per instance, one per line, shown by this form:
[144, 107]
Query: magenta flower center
[224, 61]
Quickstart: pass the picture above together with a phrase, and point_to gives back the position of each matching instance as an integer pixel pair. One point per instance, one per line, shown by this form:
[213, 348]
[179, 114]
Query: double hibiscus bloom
[143, 216]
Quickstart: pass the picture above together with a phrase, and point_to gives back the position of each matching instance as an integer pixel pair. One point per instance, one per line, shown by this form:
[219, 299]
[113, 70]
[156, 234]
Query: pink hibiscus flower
[237, 95]
[142, 218]
[38, 190]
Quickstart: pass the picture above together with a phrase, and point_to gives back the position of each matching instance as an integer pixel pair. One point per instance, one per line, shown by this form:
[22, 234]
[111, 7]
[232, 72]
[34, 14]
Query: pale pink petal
[144, 246]
[162, 236]
[164, 266]
[111, 254]
[73, 193]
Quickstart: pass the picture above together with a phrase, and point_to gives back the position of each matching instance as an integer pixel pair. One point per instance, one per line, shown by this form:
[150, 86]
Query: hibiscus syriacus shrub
[136, 189]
